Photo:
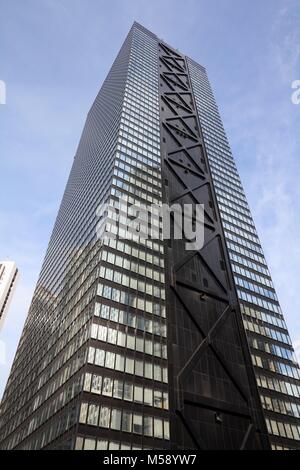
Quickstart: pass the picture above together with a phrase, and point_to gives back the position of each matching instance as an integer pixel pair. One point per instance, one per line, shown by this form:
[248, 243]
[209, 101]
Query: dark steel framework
[214, 400]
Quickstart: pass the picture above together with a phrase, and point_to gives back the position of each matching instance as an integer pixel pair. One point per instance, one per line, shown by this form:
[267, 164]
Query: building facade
[8, 279]
[137, 343]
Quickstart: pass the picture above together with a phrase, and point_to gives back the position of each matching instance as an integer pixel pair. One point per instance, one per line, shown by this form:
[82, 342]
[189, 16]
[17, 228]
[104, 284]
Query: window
[130, 341]
[116, 419]
[139, 368]
[128, 391]
[118, 389]
[138, 394]
[120, 362]
[148, 396]
[166, 429]
[99, 357]
[89, 444]
[83, 412]
[107, 386]
[104, 417]
[129, 366]
[158, 428]
[87, 382]
[127, 421]
[110, 360]
[137, 424]
[96, 384]
[157, 398]
[93, 415]
[121, 339]
[102, 445]
[148, 425]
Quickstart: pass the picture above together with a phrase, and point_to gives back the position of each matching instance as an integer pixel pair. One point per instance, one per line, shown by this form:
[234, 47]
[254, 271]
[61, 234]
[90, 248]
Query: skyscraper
[141, 343]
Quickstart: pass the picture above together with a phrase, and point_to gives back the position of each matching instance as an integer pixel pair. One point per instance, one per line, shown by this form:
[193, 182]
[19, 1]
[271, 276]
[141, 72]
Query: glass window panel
[110, 360]
[102, 444]
[127, 421]
[148, 396]
[139, 346]
[99, 357]
[148, 370]
[87, 382]
[120, 362]
[104, 417]
[112, 336]
[158, 428]
[93, 415]
[102, 333]
[130, 342]
[114, 445]
[166, 429]
[128, 391]
[139, 368]
[116, 419]
[121, 339]
[129, 368]
[148, 426]
[89, 444]
[157, 398]
[118, 389]
[138, 394]
[137, 426]
[83, 412]
[96, 384]
[107, 386]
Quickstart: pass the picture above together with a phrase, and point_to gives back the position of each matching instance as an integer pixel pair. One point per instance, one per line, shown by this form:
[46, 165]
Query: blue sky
[54, 55]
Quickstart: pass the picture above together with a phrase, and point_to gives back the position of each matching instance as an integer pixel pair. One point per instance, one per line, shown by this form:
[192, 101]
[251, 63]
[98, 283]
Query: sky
[54, 56]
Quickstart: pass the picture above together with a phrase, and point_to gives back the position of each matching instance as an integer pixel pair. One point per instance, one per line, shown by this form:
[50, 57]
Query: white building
[8, 276]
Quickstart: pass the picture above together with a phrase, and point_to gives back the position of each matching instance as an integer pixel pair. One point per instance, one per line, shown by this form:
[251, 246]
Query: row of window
[135, 164]
[241, 240]
[123, 297]
[130, 319]
[271, 348]
[223, 194]
[244, 252]
[255, 288]
[133, 266]
[128, 281]
[152, 186]
[90, 443]
[253, 276]
[129, 341]
[131, 366]
[125, 390]
[258, 301]
[140, 125]
[242, 233]
[139, 155]
[279, 428]
[276, 366]
[279, 385]
[125, 421]
[135, 191]
[263, 316]
[280, 406]
[250, 264]
[263, 330]
[137, 251]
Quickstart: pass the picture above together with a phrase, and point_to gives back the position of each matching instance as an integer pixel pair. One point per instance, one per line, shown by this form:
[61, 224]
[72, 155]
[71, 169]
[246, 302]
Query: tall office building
[140, 343]
[8, 278]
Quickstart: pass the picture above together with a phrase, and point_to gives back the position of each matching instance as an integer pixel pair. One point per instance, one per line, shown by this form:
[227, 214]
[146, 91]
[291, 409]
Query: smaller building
[8, 277]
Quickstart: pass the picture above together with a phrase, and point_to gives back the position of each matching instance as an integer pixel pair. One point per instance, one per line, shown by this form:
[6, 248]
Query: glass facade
[91, 369]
